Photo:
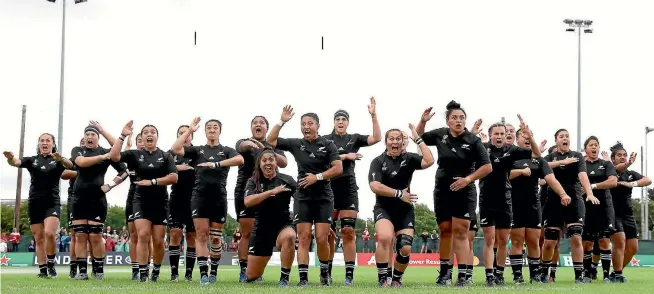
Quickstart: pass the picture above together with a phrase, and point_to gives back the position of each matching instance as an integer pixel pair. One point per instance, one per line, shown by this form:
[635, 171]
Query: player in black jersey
[526, 206]
[346, 196]
[155, 170]
[180, 219]
[389, 177]
[389, 279]
[70, 175]
[459, 153]
[318, 161]
[269, 193]
[495, 207]
[209, 200]
[89, 209]
[600, 219]
[43, 204]
[129, 214]
[250, 149]
[543, 195]
[510, 135]
[625, 240]
[569, 169]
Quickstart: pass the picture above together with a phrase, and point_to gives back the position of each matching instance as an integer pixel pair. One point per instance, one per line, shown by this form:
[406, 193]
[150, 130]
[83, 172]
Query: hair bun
[453, 105]
[617, 146]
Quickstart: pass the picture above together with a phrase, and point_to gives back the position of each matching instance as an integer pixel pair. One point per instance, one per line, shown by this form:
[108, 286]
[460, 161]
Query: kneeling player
[389, 177]
[270, 192]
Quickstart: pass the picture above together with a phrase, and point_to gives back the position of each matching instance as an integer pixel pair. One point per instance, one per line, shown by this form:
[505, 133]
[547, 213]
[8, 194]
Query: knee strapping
[81, 229]
[575, 230]
[216, 241]
[551, 234]
[348, 222]
[401, 241]
[95, 229]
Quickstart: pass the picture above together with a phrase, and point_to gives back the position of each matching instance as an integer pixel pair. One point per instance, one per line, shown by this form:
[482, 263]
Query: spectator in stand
[108, 232]
[32, 246]
[3, 243]
[14, 238]
[434, 241]
[236, 238]
[120, 246]
[114, 235]
[424, 236]
[58, 243]
[110, 244]
[365, 235]
[124, 232]
[60, 238]
[126, 244]
[376, 241]
[65, 242]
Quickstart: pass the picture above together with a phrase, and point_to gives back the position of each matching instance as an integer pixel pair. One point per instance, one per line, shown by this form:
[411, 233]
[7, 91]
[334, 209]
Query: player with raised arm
[389, 177]
[209, 199]
[43, 203]
[318, 161]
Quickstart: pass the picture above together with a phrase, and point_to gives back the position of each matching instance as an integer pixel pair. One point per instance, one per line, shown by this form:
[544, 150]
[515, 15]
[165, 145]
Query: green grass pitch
[417, 280]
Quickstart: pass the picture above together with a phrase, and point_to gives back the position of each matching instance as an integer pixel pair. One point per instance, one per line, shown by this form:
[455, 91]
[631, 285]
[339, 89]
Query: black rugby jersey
[621, 195]
[45, 174]
[457, 156]
[524, 190]
[148, 166]
[93, 176]
[495, 186]
[349, 143]
[246, 170]
[599, 171]
[209, 179]
[568, 175]
[312, 158]
[276, 208]
[395, 173]
[185, 179]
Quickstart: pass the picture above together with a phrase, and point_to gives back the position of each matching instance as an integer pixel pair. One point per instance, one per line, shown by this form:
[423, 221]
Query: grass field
[418, 280]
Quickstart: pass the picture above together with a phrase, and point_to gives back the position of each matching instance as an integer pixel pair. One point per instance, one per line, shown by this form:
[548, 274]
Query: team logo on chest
[141, 158]
[444, 139]
[465, 146]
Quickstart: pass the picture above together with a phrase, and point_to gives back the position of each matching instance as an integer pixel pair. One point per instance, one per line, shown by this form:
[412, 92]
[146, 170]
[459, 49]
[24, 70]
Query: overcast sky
[136, 60]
